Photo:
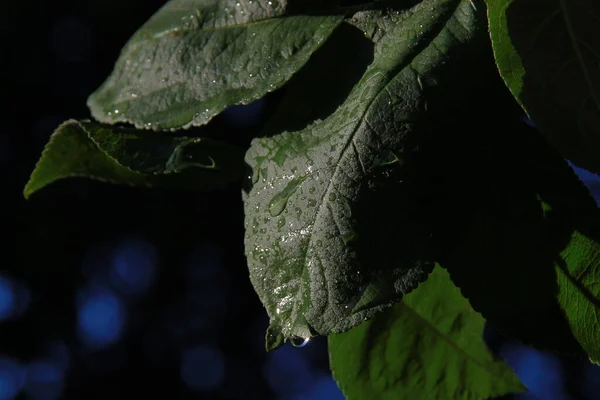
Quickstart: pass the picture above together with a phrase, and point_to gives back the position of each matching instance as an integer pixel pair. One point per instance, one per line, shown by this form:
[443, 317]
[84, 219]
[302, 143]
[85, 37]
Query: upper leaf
[548, 52]
[323, 248]
[121, 155]
[194, 58]
[429, 346]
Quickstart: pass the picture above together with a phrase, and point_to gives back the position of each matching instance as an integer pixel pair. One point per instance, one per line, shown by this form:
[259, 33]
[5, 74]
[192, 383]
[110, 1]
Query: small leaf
[194, 58]
[324, 250]
[548, 53]
[578, 277]
[123, 155]
[429, 346]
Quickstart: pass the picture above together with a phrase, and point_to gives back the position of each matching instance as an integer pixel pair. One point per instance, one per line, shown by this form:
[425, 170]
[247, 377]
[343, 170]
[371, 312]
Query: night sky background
[111, 292]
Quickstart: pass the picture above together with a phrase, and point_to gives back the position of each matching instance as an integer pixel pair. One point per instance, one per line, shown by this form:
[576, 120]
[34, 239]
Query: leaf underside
[126, 156]
[548, 54]
[194, 58]
[523, 244]
[428, 346]
[321, 242]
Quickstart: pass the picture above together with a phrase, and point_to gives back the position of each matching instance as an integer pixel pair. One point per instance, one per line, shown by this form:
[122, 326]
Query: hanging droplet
[299, 342]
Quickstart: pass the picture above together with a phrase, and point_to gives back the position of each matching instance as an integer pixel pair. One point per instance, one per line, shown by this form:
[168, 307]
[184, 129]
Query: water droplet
[279, 202]
[281, 223]
[312, 203]
[332, 197]
[299, 341]
[311, 190]
[116, 111]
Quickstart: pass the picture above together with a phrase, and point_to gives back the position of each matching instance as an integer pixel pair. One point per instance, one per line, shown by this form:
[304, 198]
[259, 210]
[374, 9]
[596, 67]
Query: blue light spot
[45, 380]
[8, 298]
[287, 371]
[12, 379]
[591, 381]
[245, 115]
[100, 319]
[14, 298]
[323, 388]
[540, 372]
[133, 266]
[202, 368]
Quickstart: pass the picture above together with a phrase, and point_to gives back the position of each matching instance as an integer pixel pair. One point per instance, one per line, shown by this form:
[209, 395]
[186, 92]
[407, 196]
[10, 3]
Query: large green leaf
[522, 242]
[123, 155]
[548, 52]
[324, 251]
[194, 58]
[429, 346]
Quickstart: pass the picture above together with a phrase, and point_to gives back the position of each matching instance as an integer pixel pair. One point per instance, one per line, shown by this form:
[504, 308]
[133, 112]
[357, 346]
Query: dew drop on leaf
[279, 202]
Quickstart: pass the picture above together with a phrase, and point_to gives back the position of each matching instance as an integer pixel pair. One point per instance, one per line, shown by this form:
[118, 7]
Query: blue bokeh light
[14, 298]
[202, 368]
[323, 388]
[288, 372]
[100, 318]
[133, 266]
[8, 298]
[45, 380]
[591, 381]
[540, 372]
[12, 378]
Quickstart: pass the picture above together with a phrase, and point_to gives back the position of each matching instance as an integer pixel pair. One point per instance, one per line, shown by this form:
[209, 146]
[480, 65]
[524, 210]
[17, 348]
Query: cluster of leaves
[387, 175]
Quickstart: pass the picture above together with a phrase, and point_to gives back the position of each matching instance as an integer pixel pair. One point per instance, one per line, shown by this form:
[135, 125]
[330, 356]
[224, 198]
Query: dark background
[113, 292]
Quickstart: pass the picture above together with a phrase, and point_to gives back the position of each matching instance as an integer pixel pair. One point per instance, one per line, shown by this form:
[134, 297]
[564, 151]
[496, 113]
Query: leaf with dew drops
[194, 58]
[320, 241]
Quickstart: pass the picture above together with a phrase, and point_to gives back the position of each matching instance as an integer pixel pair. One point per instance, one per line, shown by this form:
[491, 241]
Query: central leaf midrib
[417, 50]
[451, 342]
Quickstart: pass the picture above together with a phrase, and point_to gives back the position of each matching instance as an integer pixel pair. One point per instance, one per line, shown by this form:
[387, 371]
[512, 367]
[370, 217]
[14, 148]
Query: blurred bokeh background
[110, 292]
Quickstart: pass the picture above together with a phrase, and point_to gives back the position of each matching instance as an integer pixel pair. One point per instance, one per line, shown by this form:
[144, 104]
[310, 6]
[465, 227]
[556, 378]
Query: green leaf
[194, 58]
[123, 155]
[429, 346]
[513, 243]
[578, 278]
[548, 53]
[324, 250]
